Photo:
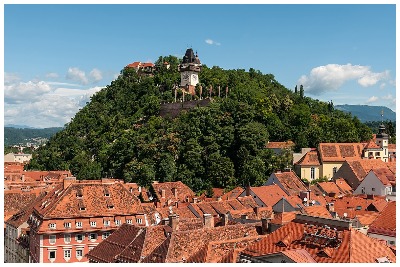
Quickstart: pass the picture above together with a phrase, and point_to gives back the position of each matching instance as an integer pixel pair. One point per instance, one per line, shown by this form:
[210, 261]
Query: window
[52, 225]
[117, 222]
[78, 224]
[93, 236]
[362, 190]
[67, 238]
[334, 170]
[392, 242]
[79, 237]
[312, 173]
[82, 208]
[52, 239]
[129, 221]
[106, 223]
[52, 255]
[67, 225]
[79, 253]
[93, 224]
[373, 188]
[67, 253]
[377, 153]
[105, 235]
[139, 221]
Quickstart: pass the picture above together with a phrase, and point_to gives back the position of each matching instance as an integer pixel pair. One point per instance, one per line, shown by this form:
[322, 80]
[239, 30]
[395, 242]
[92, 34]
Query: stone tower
[189, 70]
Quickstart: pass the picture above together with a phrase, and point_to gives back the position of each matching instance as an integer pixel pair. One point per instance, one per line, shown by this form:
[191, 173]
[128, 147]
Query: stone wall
[172, 110]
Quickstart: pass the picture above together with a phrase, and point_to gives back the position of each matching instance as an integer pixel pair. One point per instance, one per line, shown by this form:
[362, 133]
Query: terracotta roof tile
[353, 245]
[269, 194]
[22, 216]
[299, 256]
[371, 145]
[233, 194]
[378, 205]
[385, 176]
[291, 182]
[217, 192]
[344, 186]
[361, 167]
[311, 158]
[330, 188]
[284, 217]
[183, 192]
[340, 151]
[97, 198]
[281, 145]
[385, 223]
[368, 218]
[185, 244]
[351, 205]
[15, 201]
[317, 211]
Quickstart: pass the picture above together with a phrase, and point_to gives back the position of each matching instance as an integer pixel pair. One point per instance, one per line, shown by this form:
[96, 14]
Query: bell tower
[189, 69]
[382, 140]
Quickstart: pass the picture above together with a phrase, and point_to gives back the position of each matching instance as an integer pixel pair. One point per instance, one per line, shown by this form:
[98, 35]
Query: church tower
[382, 140]
[189, 70]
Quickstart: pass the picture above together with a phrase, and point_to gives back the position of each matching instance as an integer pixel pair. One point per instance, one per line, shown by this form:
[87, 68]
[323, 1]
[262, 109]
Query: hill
[120, 132]
[17, 136]
[368, 113]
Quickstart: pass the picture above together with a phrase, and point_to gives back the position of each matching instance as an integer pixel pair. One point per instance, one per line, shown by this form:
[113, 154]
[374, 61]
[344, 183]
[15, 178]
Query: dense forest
[120, 134]
[367, 113]
[15, 136]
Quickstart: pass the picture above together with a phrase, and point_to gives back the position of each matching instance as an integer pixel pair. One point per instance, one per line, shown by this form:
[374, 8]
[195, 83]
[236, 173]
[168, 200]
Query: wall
[327, 168]
[371, 181]
[172, 110]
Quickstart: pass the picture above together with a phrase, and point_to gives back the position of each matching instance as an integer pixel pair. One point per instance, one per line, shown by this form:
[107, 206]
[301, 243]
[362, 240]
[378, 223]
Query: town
[335, 203]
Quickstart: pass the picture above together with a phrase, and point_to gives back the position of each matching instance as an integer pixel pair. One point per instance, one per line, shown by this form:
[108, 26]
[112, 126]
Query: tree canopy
[120, 134]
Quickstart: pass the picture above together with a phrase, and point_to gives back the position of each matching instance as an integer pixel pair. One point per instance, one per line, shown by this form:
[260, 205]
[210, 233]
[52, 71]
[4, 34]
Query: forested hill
[15, 136]
[120, 133]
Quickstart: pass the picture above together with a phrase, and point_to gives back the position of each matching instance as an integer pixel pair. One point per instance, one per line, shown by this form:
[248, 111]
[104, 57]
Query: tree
[301, 91]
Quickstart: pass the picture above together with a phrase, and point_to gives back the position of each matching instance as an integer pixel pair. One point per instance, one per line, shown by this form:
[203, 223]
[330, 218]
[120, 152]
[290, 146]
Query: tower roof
[189, 57]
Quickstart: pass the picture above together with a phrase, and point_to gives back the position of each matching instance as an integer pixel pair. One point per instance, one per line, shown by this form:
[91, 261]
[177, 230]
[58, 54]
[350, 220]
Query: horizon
[351, 61]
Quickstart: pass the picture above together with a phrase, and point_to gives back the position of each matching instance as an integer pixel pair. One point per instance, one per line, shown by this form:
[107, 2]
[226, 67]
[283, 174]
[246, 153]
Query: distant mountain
[19, 126]
[368, 113]
[16, 136]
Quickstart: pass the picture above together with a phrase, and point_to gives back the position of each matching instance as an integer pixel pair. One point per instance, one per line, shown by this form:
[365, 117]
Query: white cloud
[382, 86]
[332, 76]
[372, 99]
[10, 78]
[212, 42]
[75, 74]
[43, 105]
[25, 91]
[96, 75]
[52, 75]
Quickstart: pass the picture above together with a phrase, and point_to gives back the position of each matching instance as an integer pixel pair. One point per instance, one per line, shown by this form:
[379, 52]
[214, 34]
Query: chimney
[175, 192]
[195, 200]
[165, 221]
[23, 177]
[140, 189]
[265, 225]
[163, 193]
[219, 199]
[68, 180]
[256, 211]
[208, 220]
[225, 219]
[247, 190]
[173, 221]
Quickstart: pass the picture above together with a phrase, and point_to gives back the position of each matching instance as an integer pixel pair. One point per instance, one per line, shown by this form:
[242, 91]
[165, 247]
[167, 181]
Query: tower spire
[382, 115]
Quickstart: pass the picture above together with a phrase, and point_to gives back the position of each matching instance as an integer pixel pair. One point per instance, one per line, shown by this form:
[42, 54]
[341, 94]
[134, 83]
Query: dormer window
[67, 225]
[93, 224]
[78, 224]
[106, 223]
[52, 225]
[106, 192]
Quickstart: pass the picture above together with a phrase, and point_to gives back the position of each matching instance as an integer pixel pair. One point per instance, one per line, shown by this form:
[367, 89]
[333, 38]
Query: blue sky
[57, 56]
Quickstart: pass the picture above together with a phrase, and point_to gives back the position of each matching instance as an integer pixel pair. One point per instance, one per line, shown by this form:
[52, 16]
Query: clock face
[185, 76]
[194, 77]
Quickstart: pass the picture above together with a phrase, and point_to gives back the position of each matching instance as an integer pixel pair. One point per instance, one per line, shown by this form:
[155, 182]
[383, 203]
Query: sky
[57, 56]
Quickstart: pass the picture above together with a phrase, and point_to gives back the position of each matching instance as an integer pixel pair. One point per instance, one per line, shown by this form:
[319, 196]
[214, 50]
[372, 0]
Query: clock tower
[189, 69]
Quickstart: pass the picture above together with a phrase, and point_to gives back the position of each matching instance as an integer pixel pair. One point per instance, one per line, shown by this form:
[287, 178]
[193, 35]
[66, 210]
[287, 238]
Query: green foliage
[119, 133]
[15, 136]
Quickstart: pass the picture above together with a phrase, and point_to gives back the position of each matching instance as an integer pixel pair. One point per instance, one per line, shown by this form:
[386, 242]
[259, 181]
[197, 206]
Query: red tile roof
[351, 205]
[88, 198]
[317, 211]
[291, 182]
[361, 167]
[311, 158]
[330, 188]
[340, 151]
[233, 194]
[371, 144]
[367, 218]
[299, 256]
[344, 186]
[281, 145]
[385, 223]
[353, 246]
[14, 201]
[284, 217]
[269, 194]
[217, 192]
[22, 216]
[183, 191]
[385, 176]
